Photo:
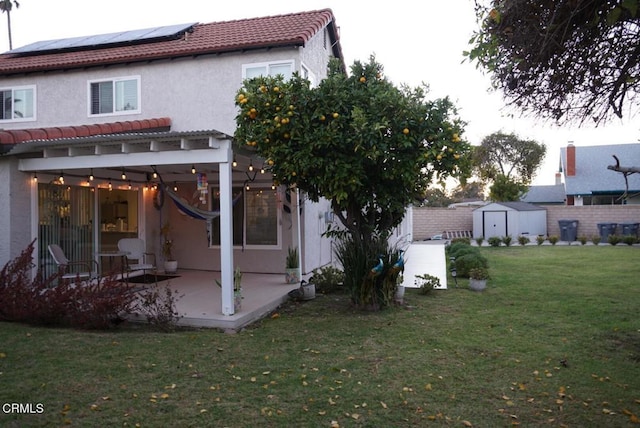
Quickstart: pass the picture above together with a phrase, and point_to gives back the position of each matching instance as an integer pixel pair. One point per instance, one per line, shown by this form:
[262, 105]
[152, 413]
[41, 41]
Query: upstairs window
[18, 104]
[284, 68]
[116, 96]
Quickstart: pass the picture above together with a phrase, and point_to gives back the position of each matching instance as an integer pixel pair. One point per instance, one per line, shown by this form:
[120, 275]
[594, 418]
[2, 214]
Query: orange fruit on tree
[363, 79]
[335, 115]
[405, 131]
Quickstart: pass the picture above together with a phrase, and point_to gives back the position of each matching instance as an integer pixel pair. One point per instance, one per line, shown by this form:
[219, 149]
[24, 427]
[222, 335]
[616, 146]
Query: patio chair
[136, 257]
[64, 264]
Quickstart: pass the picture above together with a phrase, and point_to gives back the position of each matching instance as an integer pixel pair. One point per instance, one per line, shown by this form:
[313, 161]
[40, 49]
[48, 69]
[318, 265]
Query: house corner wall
[15, 211]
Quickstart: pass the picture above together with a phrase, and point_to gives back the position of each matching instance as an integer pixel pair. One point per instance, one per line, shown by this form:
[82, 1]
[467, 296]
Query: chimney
[571, 160]
[558, 178]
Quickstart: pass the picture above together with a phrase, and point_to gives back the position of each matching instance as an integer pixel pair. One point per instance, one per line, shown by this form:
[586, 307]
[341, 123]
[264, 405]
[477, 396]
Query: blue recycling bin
[606, 229]
[629, 229]
[568, 230]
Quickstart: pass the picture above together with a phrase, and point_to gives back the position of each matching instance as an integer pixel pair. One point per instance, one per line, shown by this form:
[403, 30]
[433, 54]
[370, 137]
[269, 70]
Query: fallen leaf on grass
[467, 423]
[383, 404]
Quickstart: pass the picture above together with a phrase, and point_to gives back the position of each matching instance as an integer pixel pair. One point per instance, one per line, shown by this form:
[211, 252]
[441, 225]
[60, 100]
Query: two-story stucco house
[86, 123]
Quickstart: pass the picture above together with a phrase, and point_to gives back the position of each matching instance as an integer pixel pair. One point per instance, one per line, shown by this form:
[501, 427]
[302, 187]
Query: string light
[234, 163]
[61, 178]
[124, 174]
[35, 177]
[110, 185]
[129, 184]
[155, 174]
[91, 175]
[193, 169]
[175, 187]
[250, 165]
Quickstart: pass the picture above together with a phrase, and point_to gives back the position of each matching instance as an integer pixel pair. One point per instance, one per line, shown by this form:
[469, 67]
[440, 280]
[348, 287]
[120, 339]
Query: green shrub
[459, 249]
[462, 240]
[470, 261]
[583, 239]
[507, 240]
[614, 239]
[427, 283]
[553, 239]
[479, 240]
[540, 239]
[629, 239]
[595, 239]
[495, 241]
[326, 279]
[523, 240]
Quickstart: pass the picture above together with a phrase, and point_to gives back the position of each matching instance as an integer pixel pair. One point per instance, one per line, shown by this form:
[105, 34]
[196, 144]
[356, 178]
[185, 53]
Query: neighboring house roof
[553, 194]
[10, 137]
[591, 173]
[294, 29]
[516, 206]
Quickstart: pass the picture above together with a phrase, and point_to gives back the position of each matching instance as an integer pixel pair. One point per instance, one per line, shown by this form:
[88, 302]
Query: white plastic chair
[64, 264]
[135, 252]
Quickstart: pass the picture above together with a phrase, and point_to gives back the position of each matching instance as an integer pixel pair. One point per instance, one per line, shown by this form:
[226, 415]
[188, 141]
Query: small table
[112, 255]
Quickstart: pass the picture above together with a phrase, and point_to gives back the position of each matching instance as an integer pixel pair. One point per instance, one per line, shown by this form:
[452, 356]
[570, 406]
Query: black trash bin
[606, 229]
[630, 229]
[568, 230]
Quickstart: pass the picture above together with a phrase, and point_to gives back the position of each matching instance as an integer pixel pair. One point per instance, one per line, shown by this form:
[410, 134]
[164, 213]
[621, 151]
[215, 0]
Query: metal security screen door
[66, 216]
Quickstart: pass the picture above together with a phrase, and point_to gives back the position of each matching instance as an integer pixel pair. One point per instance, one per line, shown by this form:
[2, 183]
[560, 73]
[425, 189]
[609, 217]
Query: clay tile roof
[10, 137]
[217, 37]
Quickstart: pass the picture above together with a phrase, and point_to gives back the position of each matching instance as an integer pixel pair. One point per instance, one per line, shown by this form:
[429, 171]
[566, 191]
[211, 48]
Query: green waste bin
[568, 230]
[606, 229]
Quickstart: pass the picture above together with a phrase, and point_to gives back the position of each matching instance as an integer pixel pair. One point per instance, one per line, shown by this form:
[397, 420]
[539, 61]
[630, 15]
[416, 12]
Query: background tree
[6, 6]
[565, 60]
[508, 162]
[357, 140]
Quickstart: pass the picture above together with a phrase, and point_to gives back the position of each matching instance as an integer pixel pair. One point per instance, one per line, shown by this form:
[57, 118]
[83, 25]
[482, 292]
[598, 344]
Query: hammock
[190, 210]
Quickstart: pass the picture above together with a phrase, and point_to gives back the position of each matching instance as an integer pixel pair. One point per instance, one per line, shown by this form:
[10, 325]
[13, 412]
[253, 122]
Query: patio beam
[123, 160]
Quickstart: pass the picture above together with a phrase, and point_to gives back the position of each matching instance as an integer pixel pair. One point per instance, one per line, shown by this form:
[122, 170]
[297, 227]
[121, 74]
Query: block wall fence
[432, 221]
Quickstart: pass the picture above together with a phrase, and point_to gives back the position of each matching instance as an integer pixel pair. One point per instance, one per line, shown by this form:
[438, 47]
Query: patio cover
[143, 149]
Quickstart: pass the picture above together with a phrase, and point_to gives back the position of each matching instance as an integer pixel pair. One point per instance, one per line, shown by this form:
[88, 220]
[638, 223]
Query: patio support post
[226, 231]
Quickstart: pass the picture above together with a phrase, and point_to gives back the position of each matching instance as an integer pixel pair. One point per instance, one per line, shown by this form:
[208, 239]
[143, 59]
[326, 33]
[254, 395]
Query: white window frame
[114, 81]
[13, 89]
[268, 66]
[253, 186]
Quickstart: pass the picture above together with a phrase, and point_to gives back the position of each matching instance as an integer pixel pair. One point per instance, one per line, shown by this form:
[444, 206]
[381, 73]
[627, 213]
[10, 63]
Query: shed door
[494, 223]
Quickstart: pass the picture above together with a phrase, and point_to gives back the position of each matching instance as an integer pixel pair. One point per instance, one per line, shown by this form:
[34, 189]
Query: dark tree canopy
[502, 154]
[570, 61]
[508, 163]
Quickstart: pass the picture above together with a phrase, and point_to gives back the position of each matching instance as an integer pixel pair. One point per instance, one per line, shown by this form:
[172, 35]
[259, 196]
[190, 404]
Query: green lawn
[553, 341]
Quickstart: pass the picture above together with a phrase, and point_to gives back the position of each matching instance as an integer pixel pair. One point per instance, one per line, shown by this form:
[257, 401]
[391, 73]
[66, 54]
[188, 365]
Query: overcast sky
[416, 41]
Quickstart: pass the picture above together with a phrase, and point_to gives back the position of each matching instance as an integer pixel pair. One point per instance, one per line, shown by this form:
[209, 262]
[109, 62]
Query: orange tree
[368, 147]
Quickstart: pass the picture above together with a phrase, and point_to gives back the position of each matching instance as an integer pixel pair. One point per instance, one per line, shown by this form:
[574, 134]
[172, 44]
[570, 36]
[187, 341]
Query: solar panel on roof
[105, 39]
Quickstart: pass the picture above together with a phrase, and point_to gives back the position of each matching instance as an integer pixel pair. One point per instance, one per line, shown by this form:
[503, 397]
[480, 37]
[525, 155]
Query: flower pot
[170, 266]
[308, 291]
[292, 275]
[477, 284]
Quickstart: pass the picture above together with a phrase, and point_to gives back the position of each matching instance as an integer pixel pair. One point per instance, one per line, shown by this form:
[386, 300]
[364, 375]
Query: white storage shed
[509, 218]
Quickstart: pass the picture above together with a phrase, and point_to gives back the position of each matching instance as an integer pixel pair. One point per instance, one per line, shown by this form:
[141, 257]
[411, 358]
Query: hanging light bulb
[250, 166]
[110, 185]
[129, 184]
[124, 174]
[247, 187]
[91, 175]
[155, 174]
[175, 186]
[235, 162]
[193, 169]
[61, 178]
[35, 177]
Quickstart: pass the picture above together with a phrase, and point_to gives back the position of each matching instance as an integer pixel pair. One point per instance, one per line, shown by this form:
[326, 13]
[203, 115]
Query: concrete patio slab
[200, 303]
